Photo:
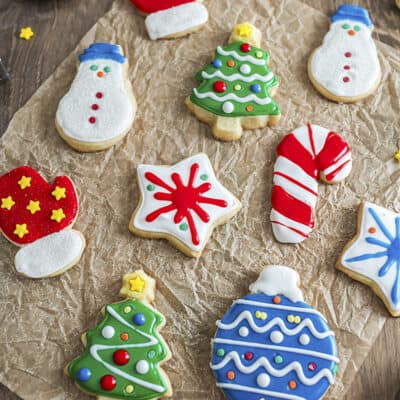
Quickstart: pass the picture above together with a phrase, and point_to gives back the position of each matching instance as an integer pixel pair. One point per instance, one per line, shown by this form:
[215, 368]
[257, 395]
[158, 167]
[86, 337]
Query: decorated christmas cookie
[305, 155]
[235, 89]
[38, 216]
[182, 203]
[100, 107]
[124, 352]
[172, 18]
[373, 256]
[272, 345]
[346, 67]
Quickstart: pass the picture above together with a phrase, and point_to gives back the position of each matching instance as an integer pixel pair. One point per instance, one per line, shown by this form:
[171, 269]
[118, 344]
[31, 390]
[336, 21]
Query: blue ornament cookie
[271, 345]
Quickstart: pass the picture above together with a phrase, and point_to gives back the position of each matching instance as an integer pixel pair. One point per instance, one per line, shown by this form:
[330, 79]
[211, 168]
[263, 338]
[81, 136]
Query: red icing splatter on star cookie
[151, 6]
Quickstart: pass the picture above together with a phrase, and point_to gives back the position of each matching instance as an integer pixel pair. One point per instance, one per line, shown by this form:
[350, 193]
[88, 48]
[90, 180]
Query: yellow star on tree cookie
[138, 285]
[244, 30]
[21, 230]
[59, 193]
[24, 182]
[57, 215]
[397, 156]
[33, 206]
[7, 203]
[26, 33]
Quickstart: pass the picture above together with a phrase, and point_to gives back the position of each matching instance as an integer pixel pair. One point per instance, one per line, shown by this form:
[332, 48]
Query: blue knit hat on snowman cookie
[353, 13]
[103, 51]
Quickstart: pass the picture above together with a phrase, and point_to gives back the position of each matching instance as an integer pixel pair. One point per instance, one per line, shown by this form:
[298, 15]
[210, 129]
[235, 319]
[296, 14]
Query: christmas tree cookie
[182, 203]
[235, 90]
[38, 217]
[272, 345]
[99, 109]
[124, 352]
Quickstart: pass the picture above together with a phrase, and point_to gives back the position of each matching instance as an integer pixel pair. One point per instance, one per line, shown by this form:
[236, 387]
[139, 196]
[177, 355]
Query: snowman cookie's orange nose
[100, 74]
[351, 32]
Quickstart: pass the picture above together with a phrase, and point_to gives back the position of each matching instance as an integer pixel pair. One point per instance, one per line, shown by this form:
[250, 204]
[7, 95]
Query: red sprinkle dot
[121, 357]
[92, 120]
[99, 95]
[346, 79]
[347, 54]
[219, 86]
[347, 67]
[249, 356]
[108, 382]
[312, 366]
[95, 107]
[245, 47]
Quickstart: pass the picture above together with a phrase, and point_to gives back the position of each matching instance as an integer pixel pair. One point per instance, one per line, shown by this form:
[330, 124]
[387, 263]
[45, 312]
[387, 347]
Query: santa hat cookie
[272, 345]
[38, 216]
[346, 67]
[172, 18]
[99, 109]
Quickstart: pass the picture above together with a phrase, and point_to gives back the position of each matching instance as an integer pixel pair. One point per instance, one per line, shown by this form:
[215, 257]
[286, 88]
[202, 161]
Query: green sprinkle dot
[183, 227]
[151, 354]
[335, 369]
[150, 187]
[220, 352]
[357, 28]
[345, 26]
[204, 177]
[278, 359]
[107, 69]
[94, 67]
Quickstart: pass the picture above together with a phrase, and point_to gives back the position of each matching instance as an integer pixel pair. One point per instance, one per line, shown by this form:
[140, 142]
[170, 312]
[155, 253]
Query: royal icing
[304, 155]
[284, 356]
[151, 6]
[171, 21]
[347, 64]
[375, 253]
[121, 356]
[243, 70]
[99, 105]
[185, 201]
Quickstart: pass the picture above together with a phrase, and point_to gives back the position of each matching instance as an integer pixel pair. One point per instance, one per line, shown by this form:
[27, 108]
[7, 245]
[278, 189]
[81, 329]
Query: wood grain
[60, 24]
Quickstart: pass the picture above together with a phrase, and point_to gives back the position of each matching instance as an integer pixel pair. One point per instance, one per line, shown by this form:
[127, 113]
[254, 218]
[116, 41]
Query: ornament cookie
[235, 89]
[99, 109]
[172, 18]
[305, 155]
[346, 67]
[38, 216]
[182, 203]
[272, 345]
[123, 353]
[373, 256]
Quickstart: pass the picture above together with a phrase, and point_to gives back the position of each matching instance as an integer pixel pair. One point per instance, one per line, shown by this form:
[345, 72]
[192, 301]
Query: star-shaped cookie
[182, 203]
[373, 256]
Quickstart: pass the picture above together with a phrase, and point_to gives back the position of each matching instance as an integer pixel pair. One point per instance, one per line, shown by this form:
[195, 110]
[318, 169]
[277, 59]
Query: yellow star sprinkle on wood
[7, 203]
[21, 230]
[24, 182]
[397, 156]
[59, 193]
[33, 206]
[57, 215]
[244, 30]
[26, 33]
[137, 284]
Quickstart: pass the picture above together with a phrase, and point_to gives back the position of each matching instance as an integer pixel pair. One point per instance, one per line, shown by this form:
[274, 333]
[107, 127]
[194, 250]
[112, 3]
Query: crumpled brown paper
[42, 320]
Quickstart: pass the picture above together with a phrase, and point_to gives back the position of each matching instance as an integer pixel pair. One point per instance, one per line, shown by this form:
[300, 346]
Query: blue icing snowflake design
[273, 348]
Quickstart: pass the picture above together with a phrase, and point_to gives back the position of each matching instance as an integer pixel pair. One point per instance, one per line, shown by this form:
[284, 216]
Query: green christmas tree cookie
[123, 353]
[235, 90]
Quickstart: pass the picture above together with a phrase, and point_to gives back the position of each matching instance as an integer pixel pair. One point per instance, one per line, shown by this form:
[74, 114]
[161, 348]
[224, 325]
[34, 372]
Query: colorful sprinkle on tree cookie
[38, 216]
[235, 90]
[124, 352]
[272, 345]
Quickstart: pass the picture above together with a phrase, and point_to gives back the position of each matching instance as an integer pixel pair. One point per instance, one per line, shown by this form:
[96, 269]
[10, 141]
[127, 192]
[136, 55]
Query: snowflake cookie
[373, 256]
[182, 203]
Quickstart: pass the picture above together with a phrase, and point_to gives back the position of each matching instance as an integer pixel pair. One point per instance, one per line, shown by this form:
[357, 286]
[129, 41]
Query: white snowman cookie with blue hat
[345, 68]
[100, 107]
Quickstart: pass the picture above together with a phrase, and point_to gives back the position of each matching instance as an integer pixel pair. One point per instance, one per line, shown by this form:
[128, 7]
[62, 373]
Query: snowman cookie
[235, 90]
[172, 18]
[346, 67]
[373, 256]
[38, 216]
[272, 345]
[182, 203]
[100, 107]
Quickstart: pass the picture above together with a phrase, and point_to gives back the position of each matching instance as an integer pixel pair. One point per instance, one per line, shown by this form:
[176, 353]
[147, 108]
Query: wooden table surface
[60, 24]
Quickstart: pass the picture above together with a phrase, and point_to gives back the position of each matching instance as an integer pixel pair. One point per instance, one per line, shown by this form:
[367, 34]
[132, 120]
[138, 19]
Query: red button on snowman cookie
[38, 217]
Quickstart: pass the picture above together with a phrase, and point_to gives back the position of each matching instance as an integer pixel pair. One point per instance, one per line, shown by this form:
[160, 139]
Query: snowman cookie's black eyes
[94, 67]
[357, 28]
[345, 26]
[107, 69]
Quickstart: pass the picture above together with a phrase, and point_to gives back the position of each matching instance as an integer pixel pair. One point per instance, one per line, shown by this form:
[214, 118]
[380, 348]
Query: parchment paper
[42, 320]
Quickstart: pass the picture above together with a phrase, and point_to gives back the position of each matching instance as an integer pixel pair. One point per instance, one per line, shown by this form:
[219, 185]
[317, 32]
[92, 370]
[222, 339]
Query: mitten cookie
[123, 353]
[305, 155]
[182, 203]
[235, 89]
[373, 256]
[272, 345]
[346, 67]
[172, 18]
[100, 107]
[38, 216]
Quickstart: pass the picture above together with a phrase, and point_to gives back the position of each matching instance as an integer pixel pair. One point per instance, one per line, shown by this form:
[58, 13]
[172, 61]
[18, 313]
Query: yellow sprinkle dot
[259, 54]
[237, 87]
[297, 320]
[290, 318]
[7, 203]
[127, 309]
[129, 389]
